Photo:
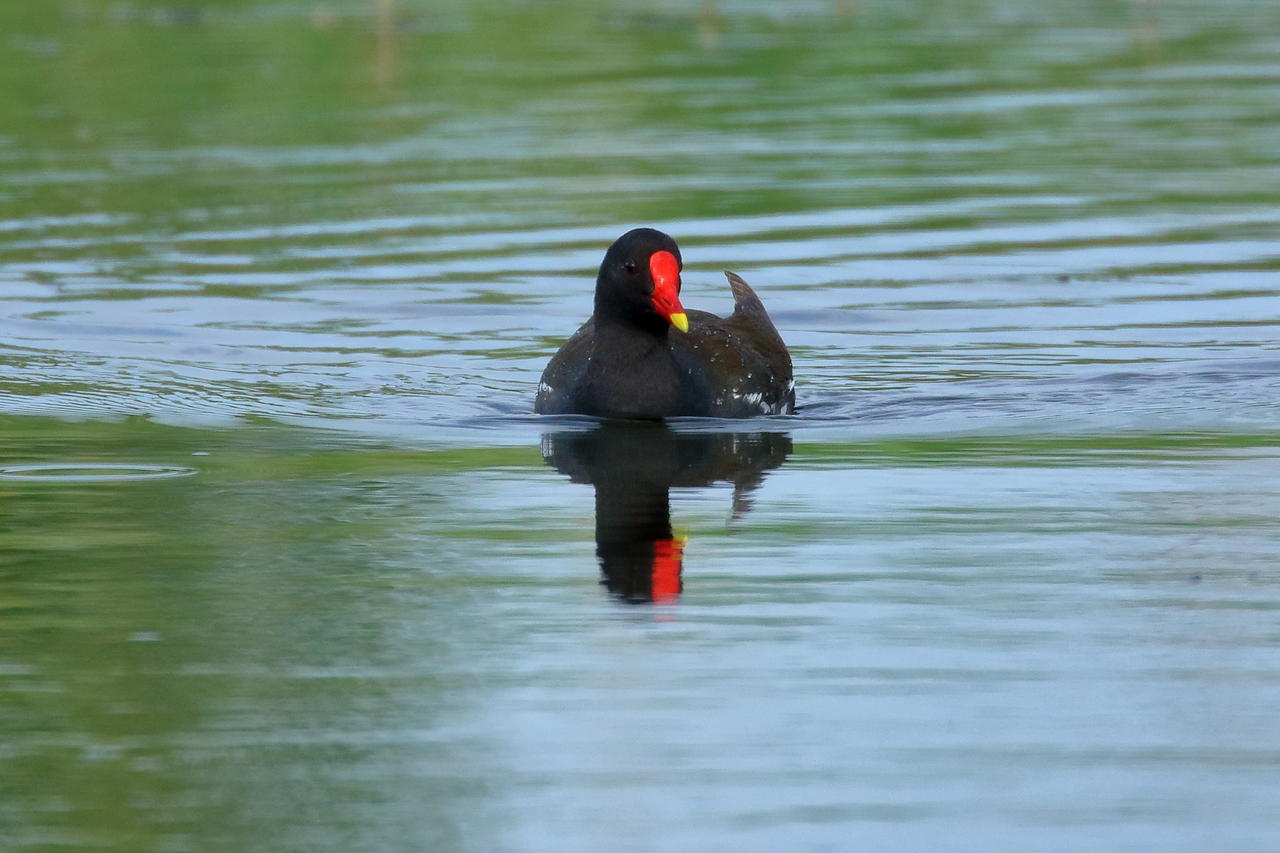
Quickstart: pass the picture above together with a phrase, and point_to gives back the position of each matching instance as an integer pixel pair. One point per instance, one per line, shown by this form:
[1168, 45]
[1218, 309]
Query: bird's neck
[621, 323]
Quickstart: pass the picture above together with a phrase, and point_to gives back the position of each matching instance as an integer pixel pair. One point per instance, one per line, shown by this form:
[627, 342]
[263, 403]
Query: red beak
[665, 270]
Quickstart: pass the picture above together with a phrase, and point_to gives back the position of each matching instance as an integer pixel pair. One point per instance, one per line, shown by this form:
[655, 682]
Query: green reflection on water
[291, 649]
[329, 641]
[160, 641]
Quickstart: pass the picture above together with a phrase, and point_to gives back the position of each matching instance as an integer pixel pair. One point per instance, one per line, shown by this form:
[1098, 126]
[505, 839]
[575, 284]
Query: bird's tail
[745, 301]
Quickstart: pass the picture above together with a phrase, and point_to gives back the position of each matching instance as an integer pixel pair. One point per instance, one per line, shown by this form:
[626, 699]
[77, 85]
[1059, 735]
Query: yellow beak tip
[680, 321]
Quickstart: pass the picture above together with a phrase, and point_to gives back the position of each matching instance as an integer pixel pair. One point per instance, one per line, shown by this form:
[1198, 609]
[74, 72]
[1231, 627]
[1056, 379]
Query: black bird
[641, 355]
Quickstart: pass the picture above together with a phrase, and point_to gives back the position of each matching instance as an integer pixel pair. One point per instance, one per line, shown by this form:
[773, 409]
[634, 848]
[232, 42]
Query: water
[1006, 581]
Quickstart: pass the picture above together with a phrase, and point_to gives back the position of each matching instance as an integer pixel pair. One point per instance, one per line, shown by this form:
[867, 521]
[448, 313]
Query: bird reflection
[633, 467]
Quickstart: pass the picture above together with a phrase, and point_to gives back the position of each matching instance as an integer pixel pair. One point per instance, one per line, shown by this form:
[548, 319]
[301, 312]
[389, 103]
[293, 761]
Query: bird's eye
[630, 267]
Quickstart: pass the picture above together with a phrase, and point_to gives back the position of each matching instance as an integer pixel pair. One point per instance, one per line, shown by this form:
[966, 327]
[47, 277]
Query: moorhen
[641, 355]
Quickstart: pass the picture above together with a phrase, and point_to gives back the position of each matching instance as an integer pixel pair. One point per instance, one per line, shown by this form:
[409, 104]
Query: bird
[642, 356]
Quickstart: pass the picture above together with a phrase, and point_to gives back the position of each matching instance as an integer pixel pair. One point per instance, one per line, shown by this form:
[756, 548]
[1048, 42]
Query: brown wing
[736, 367]
[751, 322]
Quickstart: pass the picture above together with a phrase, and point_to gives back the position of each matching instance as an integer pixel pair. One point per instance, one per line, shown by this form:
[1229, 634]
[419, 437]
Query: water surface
[1006, 581]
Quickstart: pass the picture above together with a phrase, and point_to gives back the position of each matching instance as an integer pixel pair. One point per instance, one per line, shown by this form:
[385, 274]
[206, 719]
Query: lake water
[288, 564]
